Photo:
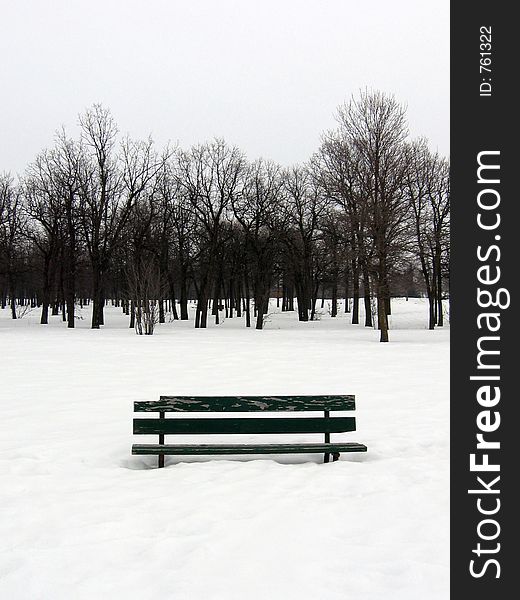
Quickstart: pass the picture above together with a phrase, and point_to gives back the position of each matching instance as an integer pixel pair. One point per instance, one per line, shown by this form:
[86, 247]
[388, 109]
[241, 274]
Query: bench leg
[335, 456]
[161, 441]
[327, 437]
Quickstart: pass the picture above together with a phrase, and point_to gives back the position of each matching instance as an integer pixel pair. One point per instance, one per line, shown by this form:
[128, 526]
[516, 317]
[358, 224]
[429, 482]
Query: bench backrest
[323, 424]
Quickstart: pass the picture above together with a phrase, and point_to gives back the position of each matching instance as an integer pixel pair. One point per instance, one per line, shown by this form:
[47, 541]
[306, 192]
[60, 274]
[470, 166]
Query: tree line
[103, 217]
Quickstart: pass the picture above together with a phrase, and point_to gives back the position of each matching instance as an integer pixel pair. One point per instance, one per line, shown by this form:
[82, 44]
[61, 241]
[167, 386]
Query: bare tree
[374, 125]
[336, 166]
[12, 224]
[109, 186]
[67, 158]
[108, 220]
[51, 201]
[212, 177]
[102, 214]
[334, 253]
[255, 210]
[439, 198]
[145, 288]
[303, 209]
[174, 230]
[427, 181]
[45, 219]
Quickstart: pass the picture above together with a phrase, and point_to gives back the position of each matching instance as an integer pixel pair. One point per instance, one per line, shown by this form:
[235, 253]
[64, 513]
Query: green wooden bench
[324, 424]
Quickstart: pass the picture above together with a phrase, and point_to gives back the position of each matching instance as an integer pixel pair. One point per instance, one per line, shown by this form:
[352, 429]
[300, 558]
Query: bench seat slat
[246, 403]
[244, 425]
[206, 449]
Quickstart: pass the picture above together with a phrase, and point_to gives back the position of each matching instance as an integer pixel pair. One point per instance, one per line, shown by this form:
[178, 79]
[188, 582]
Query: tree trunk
[440, 313]
[261, 304]
[102, 307]
[70, 273]
[183, 299]
[230, 303]
[383, 295]
[132, 314]
[70, 299]
[303, 299]
[12, 297]
[355, 285]
[238, 299]
[45, 311]
[216, 299]
[46, 292]
[162, 318]
[201, 315]
[334, 294]
[96, 296]
[173, 304]
[366, 293]
[314, 299]
[347, 291]
[247, 301]
[62, 291]
[382, 317]
[431, 311]
[290, 305]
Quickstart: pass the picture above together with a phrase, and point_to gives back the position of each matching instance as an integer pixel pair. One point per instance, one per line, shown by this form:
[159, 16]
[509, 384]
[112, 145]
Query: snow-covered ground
[81, 518]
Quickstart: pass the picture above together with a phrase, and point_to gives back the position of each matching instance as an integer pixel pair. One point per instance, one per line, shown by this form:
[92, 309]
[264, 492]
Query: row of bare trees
[101, 217]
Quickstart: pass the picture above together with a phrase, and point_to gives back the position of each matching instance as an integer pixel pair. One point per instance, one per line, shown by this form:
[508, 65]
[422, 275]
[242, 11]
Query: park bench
[273, 424]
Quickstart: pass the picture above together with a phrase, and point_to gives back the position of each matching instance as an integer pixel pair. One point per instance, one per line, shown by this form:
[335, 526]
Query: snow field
[82, 518]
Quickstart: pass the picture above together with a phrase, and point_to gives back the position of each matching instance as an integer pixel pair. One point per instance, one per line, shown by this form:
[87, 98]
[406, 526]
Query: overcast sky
[267, 75]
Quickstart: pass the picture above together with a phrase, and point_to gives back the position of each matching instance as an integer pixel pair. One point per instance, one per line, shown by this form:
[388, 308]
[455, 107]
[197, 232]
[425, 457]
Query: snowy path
[83, 519]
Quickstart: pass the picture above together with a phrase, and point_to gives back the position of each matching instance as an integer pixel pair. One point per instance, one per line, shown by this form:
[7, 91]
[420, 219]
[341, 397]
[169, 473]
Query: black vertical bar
[161, 441]
[484, 131]
[327, 438]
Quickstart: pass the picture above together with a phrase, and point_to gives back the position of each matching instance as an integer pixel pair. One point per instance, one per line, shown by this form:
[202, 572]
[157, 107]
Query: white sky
[267, 75]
